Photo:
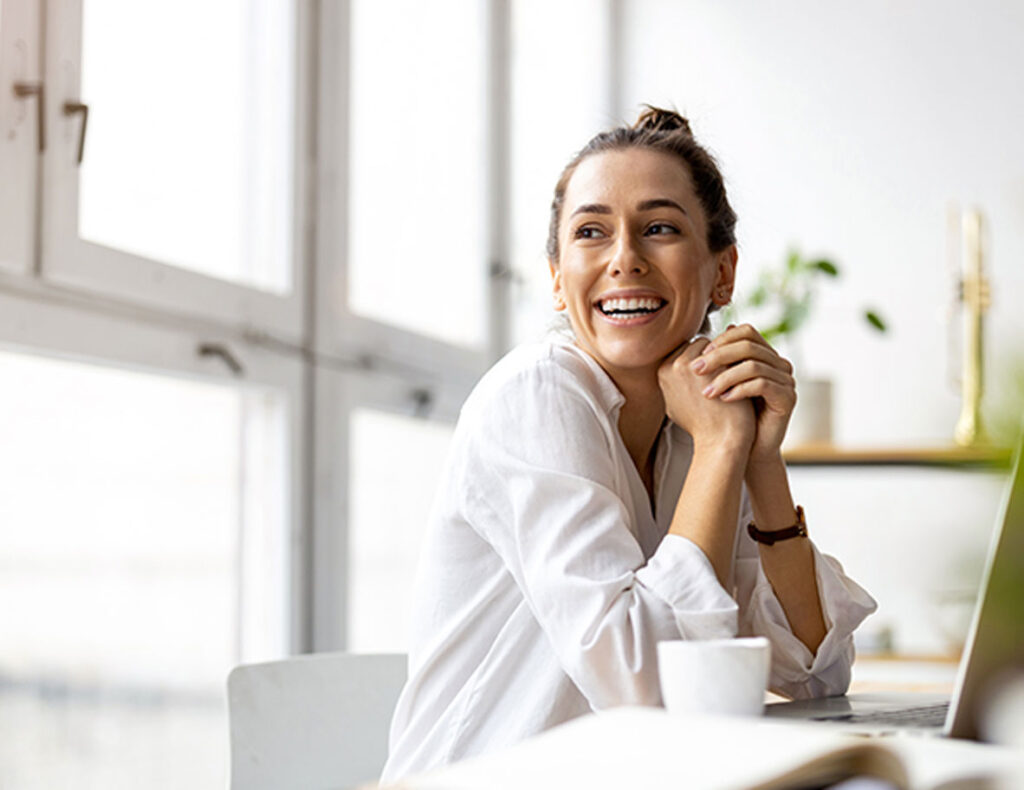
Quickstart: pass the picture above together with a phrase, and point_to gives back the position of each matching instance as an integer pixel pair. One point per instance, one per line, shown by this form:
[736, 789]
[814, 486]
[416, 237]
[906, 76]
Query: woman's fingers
[735, 332]
[748, 370]
[687, 353]
[722, 356]
[777, 396]
[734, 345]
[740, 365]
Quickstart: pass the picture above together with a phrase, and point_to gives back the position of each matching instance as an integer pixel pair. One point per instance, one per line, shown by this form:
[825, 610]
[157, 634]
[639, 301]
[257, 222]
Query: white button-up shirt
[546, 580]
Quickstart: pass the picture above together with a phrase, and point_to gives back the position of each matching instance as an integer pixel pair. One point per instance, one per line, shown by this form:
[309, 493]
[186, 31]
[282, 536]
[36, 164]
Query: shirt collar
[611, 398]
[607, 393]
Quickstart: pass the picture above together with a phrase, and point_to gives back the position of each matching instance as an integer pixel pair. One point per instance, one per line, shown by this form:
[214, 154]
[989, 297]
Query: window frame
[71, 262]
[20, 61]
[339, 393]
[39, 324]
[340, 332]
[71, 300]
[371, 364]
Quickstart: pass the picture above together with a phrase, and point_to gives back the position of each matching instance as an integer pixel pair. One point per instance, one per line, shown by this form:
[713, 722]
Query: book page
[938, 763]
[648, 748]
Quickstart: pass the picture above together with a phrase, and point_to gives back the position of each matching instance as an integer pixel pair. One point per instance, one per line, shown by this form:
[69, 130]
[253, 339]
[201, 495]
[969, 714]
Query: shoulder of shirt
[536, 367]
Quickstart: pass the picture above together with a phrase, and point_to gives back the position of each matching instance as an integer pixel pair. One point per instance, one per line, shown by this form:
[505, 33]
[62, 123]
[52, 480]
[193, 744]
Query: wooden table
[956, 457]
[882, 673]
[935, 674]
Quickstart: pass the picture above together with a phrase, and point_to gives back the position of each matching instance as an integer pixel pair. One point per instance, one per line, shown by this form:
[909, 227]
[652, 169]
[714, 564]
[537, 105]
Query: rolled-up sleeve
[681, 574]
[543, 495]
[796, 672]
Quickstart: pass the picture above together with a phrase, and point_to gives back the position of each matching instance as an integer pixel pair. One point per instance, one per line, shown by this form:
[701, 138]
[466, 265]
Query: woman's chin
[631, 360]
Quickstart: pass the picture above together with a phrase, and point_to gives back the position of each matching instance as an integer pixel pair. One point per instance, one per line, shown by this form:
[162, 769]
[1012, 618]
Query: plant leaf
[776, 330]
[875, 320]
[827, 267]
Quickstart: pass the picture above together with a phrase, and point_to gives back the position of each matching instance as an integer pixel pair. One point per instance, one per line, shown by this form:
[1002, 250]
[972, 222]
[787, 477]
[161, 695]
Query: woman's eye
[588, 232]
[661, 229]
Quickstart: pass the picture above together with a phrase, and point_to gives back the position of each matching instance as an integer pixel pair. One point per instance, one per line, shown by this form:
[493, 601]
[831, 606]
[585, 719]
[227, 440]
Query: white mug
[728, 676]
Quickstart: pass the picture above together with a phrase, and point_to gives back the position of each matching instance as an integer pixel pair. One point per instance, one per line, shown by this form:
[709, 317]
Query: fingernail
[697, 365]
[709, 389]
[709, 347]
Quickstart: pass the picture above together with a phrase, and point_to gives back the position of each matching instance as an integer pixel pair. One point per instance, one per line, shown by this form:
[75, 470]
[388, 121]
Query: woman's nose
[626, 258]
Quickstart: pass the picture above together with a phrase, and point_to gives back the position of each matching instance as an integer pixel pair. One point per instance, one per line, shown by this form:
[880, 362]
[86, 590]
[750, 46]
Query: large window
[253, 256]
[408, 242]
[395, 464]
[190, 158]
[124, 540]
[153, 398]
[173, 166]
[562, 67]
[144, 529]
[417, 216]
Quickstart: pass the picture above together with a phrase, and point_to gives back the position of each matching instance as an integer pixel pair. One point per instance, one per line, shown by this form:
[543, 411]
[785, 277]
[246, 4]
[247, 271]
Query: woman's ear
[725, 276]
[556, 286]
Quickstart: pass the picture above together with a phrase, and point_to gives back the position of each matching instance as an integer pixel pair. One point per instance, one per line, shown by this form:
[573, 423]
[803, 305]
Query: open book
[649, 749]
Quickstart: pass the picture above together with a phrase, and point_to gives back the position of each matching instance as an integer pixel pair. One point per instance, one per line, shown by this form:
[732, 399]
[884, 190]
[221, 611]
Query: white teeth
[630, 305]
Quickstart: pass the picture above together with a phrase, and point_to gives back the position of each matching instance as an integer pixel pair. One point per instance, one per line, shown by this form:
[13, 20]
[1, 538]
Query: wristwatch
[770, 537]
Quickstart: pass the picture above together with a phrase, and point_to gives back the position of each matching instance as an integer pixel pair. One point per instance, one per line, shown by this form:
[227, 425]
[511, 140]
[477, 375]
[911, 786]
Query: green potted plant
[779, 305]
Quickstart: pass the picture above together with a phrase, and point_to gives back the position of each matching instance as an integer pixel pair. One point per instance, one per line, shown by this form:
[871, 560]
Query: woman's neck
[641, 416]
[640, 420]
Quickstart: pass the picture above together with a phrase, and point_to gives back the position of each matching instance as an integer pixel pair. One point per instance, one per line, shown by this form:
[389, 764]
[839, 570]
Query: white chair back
[312, 722]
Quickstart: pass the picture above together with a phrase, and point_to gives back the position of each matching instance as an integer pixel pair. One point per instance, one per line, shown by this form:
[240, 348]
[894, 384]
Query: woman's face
[635, 273]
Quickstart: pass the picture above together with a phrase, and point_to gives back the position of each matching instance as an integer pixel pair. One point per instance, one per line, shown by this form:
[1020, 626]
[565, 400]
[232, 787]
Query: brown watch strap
[771, 537]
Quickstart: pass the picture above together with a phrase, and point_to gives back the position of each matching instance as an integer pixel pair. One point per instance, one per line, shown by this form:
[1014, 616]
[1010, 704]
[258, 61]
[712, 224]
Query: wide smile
[630, 310]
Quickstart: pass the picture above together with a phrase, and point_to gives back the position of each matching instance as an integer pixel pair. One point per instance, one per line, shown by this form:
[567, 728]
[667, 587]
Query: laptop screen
[995, 646]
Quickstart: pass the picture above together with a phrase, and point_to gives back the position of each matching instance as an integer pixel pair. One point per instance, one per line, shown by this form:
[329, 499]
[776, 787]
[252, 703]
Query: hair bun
[655, 119]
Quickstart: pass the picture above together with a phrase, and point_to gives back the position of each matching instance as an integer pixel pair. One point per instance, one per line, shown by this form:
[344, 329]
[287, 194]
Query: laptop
[994, 648]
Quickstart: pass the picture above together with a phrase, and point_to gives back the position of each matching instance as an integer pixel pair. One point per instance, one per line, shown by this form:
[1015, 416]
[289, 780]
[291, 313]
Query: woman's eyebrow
[647, 205]
[592, 208]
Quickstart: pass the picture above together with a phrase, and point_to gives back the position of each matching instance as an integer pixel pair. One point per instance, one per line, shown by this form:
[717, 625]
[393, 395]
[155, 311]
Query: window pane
[188, 159]
[417, 209]
[125, 504]
[560, 79]
[394, 468]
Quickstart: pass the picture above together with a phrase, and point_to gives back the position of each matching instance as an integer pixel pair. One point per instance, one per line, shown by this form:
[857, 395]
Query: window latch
[26, 90]
[422, 402]
[224, 354]
[77, 108]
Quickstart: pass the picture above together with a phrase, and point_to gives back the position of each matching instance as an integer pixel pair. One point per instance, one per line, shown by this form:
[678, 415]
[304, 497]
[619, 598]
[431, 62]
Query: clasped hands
[733, 390]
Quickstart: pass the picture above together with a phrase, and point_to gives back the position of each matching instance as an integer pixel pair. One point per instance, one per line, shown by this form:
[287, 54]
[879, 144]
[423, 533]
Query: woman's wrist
[760, 463]
[768, 486]
[733, 444]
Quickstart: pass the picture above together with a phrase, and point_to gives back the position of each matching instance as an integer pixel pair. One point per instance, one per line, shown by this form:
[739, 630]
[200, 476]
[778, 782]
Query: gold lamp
[974, 293]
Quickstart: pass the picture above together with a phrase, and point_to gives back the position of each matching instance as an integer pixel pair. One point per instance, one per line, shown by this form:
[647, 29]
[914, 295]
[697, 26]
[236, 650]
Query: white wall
[847, 129]
[915, 539]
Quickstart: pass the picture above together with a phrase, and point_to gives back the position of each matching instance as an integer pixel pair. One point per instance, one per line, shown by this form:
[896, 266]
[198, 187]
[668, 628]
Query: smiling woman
[635, 211]
[619, 486]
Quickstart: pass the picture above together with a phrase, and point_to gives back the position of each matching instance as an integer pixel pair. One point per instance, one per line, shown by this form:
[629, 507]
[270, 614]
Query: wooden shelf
[828, 455]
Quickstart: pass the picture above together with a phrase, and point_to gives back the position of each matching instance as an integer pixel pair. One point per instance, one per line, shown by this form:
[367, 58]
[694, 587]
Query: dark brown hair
[667, 131]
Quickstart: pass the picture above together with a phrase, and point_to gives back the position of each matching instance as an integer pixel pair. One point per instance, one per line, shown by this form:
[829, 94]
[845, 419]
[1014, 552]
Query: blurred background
[254, 254]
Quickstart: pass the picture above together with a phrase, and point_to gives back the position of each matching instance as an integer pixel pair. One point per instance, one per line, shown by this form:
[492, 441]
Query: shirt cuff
[844, 605]
[681, 575]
